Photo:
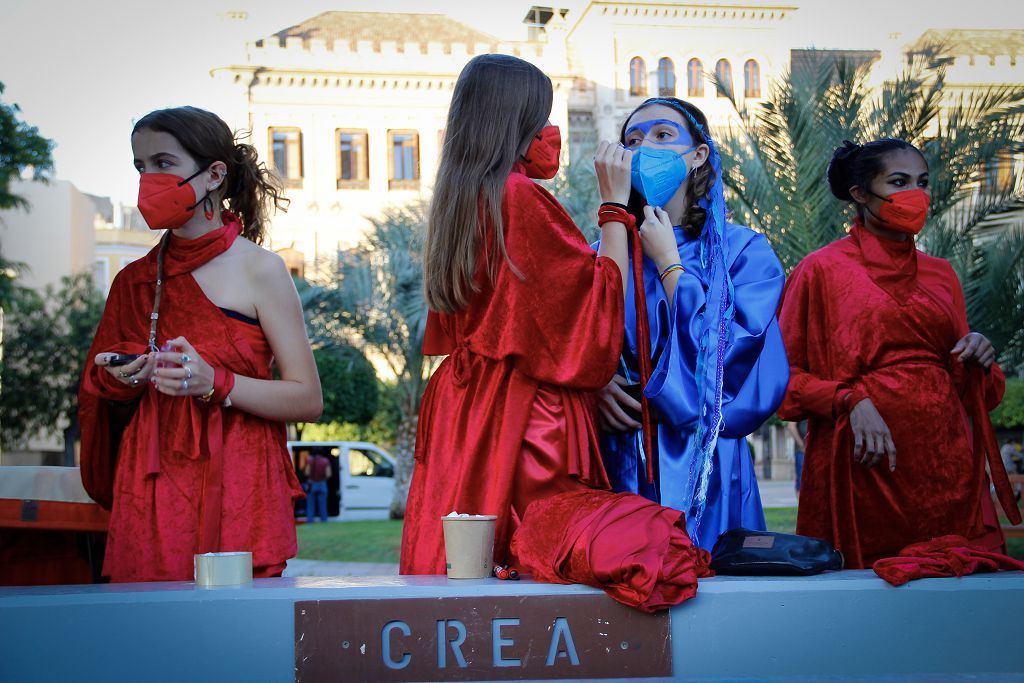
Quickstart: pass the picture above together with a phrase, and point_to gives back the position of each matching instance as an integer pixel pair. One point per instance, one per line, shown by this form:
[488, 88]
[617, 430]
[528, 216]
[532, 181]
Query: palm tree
[376, 303]
[774, 165]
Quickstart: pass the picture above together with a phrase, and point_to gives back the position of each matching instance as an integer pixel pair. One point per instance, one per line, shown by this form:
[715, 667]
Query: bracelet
[612, 212]
[223, 383]
[671, 269]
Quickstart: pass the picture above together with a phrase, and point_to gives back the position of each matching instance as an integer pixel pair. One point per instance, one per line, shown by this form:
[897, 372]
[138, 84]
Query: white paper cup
[213, 570]
[469, 546]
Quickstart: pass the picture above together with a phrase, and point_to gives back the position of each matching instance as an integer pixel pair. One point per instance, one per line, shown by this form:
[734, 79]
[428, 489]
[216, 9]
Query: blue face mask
[658, 172]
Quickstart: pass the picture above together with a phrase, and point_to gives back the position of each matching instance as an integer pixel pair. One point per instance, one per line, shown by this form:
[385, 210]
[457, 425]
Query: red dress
[189, 477]
[878, 317]
[507, 419]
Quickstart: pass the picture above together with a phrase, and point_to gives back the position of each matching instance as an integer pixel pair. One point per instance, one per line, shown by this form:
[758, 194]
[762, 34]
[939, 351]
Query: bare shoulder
[260, 264]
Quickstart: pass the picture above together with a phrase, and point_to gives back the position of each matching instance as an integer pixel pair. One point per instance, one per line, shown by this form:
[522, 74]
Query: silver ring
[189, 371]
[185, 358]
[122, 373]
[134, 381]
[184, 385]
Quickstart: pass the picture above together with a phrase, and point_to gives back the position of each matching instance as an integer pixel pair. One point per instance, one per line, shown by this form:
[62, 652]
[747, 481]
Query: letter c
[385, 645]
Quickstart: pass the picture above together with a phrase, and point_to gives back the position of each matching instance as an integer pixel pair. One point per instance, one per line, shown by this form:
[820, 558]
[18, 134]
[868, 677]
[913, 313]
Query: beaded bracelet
[671, 269]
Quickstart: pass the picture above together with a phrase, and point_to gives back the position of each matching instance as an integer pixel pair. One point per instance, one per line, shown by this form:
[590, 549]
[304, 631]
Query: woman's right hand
[614, 164]
[611, 400]
[133, 374]
[871, 436]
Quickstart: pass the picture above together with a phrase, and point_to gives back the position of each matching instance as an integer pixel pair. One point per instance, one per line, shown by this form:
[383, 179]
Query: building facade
[350, 107]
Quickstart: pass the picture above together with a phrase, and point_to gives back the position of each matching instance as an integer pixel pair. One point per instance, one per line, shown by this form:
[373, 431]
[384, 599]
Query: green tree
[1010, 413]
[48, 338]
[774, 165]
[349, 385]
[375, 302]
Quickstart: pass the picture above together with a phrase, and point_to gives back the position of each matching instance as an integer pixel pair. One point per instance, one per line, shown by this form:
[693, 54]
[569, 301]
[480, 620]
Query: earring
[208, 208]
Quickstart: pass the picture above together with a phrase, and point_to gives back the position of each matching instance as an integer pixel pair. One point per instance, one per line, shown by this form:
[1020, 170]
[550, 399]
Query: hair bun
[838, 173]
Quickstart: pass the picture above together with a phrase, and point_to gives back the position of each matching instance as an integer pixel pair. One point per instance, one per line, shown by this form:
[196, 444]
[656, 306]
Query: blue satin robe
[756, 374]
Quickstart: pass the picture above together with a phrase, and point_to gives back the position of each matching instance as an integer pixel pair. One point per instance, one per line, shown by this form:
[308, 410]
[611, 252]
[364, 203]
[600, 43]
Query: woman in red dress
[202, 464]
[527, 313]
[888, 373]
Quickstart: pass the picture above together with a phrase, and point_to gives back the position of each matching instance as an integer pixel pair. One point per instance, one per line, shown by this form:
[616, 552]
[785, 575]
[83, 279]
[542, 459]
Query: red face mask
[167, 200]
[905, 211]
[541, 159]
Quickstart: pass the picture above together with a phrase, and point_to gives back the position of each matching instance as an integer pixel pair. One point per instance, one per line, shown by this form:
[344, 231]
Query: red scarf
[891, 264]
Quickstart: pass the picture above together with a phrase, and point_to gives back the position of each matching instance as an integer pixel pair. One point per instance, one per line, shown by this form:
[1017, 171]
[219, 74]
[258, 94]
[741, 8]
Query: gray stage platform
[840, 626]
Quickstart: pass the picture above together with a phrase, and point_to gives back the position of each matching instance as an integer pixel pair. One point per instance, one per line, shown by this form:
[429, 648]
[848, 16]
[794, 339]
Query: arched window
[751, 79]
[637, 76]
[694, 78]
[666, 78]
[723, 73]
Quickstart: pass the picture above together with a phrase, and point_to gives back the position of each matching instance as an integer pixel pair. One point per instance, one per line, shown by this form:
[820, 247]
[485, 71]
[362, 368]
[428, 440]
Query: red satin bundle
[946, 556]
[635, 550]
[611, 212]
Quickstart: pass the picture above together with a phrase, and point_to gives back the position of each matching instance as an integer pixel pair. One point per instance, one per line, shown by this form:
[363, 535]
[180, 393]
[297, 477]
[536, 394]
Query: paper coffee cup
[223, 569]
[469, 546]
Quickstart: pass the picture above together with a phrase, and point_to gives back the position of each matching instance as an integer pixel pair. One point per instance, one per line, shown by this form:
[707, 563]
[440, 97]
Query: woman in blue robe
[719, 368]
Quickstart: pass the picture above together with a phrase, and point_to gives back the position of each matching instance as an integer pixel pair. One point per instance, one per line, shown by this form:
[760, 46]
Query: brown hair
[699, 182]
[500, 103]
[207, 139]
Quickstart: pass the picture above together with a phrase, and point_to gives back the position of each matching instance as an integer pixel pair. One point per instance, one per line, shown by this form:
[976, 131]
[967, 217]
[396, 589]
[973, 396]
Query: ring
[134, 381]
[122, 373]
[185, 358]
[189, 371]
[184, 385]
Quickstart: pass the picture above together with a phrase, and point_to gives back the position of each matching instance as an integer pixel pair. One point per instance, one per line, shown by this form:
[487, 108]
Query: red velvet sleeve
[802, 313]
[560, 318]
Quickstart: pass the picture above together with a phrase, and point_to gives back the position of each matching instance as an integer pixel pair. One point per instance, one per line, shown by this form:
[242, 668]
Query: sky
[83, 71]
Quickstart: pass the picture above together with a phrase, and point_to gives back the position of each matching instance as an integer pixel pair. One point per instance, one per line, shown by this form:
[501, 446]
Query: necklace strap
[155, 315]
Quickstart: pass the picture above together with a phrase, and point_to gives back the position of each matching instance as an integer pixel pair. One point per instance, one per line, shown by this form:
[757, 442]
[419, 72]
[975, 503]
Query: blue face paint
[658, 173]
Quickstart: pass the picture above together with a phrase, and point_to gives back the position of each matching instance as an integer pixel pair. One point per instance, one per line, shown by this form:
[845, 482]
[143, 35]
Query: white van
[362, 480]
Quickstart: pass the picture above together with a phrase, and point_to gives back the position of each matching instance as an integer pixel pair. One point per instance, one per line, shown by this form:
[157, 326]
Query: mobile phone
[119, 359]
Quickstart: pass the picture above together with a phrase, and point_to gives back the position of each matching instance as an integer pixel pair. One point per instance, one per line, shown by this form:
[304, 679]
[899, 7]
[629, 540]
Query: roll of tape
[223, 569]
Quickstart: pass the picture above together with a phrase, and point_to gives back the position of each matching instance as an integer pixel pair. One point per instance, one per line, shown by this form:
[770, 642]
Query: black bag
[742, 552]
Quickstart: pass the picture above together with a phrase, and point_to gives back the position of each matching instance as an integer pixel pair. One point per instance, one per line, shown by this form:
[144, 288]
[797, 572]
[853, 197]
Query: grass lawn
[379, 541]
[371, 541]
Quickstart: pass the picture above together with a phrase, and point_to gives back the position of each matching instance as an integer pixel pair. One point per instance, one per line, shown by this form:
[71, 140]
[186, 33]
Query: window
[637, 76]
[353, 160]
[723, 76]
[368, 464]
[751, 79]
[694, 78]
[404, 161]
[101, 274]
[286, 155]
[666, 78]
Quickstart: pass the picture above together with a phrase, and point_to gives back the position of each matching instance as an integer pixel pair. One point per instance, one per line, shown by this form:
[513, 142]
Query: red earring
[208, 208]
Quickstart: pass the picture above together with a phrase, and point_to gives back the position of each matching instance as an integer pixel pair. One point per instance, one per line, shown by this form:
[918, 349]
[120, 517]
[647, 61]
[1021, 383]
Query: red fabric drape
[507, 417]
[878, 318]
[189, 477]
[946, 556]
[637, 551]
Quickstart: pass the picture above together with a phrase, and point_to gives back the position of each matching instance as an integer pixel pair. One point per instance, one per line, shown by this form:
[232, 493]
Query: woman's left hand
[658, 238]
[977, 349]
[184, 372]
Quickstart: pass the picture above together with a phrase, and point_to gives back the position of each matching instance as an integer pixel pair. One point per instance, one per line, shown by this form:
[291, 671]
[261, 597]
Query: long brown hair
[250, 186]
[500, 103]
[700, 181]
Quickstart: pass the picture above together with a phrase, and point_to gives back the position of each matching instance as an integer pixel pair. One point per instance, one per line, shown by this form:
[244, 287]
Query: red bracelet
[615, 213]
[223, 383]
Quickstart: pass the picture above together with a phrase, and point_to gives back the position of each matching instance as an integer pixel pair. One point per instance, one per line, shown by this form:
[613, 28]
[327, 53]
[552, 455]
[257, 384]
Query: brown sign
[478, 638]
